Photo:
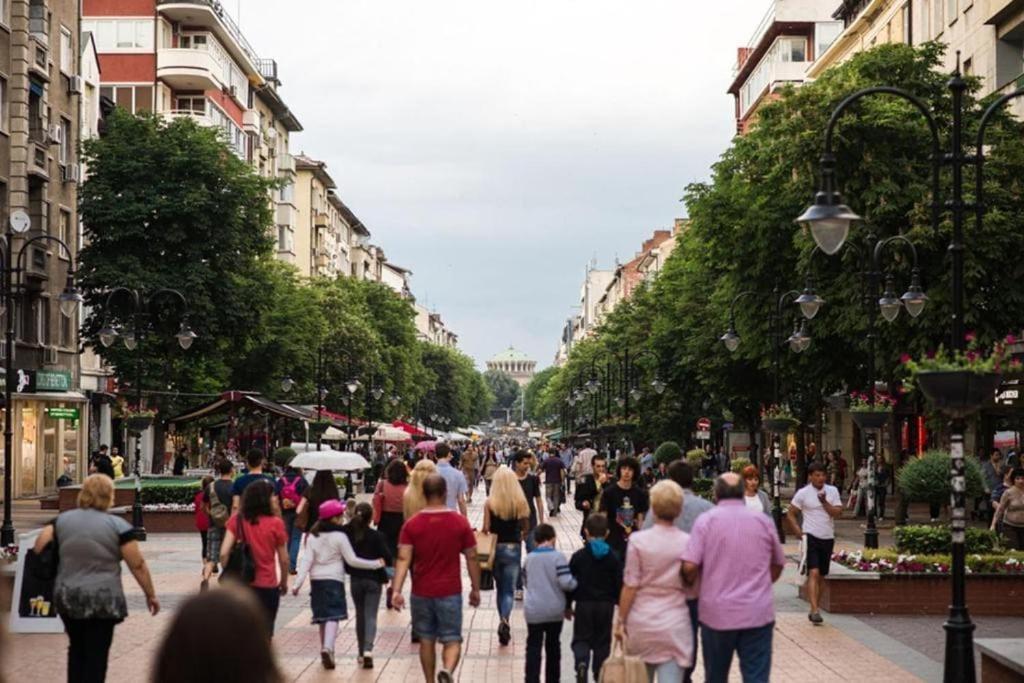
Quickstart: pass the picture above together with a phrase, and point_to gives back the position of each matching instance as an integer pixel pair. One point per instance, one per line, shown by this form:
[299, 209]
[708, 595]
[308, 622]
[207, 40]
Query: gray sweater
[548, 579]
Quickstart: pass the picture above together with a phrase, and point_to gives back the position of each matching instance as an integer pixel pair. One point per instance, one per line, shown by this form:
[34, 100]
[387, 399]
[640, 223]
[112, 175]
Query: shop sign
[62, 413]
[31, 381]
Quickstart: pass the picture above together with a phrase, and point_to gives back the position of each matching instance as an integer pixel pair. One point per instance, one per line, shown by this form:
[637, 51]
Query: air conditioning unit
[56, 134]
[76, 84]
[50, 355]
[72, 173]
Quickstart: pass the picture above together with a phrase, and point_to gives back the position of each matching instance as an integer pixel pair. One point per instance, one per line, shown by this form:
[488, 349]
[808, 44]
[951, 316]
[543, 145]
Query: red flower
[972, 356]
[905, 358]
[1010, 339]
[970, 336]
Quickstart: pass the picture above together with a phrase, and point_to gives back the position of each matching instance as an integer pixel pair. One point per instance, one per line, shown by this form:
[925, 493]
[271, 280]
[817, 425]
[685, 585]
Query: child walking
[367, 584]
[598, 574]
[327, 552]
[548, 579]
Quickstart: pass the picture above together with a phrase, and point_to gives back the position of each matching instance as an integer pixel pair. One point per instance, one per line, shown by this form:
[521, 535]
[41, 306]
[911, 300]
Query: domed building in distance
[515, 364]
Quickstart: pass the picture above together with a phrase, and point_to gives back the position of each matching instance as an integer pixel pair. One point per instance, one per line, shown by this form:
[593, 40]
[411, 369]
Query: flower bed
[891, 562]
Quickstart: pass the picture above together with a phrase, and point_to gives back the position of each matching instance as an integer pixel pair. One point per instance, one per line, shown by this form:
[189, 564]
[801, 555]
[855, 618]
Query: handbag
[486, 580]
[240, 566]
[46, 562]
[622, 668]
[486, 546]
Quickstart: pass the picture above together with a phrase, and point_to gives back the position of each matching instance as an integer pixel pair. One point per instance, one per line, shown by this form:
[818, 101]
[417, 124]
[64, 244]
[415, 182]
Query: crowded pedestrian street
[846, 648]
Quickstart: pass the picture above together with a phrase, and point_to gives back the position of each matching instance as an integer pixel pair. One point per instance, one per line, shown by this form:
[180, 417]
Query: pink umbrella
[427, 446]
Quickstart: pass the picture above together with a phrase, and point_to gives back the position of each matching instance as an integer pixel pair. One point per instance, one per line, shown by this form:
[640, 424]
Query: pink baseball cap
[331, 508]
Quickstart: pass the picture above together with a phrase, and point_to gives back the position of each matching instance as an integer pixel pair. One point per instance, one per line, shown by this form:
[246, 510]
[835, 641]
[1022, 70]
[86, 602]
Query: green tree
[503, 387]
[456, 389]
[533, 393]
[166, 204]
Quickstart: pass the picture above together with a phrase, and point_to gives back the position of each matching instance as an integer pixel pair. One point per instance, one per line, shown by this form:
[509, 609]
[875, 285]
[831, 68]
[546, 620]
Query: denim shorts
[437, 619]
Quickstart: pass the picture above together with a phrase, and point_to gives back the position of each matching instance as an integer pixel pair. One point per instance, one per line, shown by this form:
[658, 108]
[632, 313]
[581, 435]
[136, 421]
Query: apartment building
[319, 244]
[652, 260]
[790, 37]
[627, 276]
[40, 108]
[430, 327]
[989, 34]
[582, 324]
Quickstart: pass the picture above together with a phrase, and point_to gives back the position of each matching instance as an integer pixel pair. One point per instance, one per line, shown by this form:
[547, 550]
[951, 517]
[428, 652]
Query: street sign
[703, 435]
[704, 424]
[62, 413]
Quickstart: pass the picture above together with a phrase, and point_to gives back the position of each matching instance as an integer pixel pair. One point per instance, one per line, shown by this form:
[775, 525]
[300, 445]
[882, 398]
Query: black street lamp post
[829, 222]
[319, 371]
[69, 299]
[143, 316]
[799, 341]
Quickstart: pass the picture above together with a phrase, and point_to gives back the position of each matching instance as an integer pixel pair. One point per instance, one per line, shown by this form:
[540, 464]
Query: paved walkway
[844, 649]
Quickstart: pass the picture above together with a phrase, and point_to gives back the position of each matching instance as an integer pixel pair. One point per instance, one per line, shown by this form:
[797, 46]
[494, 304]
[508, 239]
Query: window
[968, 66]
[905, 15]
[3, 12]
[67, 61]
[64, 152]
[3, 103]
[825, 33]
[196, 104]
[43, 321]
[288, 193]
[134, 98]
[66, 337]
[284, 238]
[64, 232]
[120, 34]
[792, 49]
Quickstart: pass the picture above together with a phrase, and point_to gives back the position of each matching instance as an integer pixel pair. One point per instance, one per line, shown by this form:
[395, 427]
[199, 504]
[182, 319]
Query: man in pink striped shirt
[737, 555]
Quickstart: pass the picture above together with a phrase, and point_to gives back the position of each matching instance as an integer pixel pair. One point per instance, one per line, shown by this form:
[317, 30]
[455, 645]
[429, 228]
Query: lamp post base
[959, 664]
[7, 533]
[871, 536]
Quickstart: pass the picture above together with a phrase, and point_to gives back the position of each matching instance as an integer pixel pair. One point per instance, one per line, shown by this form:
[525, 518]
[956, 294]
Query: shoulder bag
[622, 668]
[241, 566]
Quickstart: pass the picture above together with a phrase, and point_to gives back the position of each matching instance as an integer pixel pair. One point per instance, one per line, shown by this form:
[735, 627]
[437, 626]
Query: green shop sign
[53, 380]
[62, 413]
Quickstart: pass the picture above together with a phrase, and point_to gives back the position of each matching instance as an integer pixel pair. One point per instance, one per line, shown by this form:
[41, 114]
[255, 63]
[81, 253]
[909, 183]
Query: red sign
[704, 424]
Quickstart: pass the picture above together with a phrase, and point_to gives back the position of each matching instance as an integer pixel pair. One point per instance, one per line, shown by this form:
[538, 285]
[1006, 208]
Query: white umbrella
[388, 433]
[343, 461]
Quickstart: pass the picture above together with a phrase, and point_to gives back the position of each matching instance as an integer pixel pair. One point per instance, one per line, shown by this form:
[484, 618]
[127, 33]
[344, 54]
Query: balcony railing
[267, 68]
[225, 19]
[199, 117]
[285, 163]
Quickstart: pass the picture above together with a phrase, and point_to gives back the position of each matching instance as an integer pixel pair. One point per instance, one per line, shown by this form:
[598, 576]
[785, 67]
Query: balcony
[199, 117]
[287, 215]
[321, 219]
[210, 14]
[251, 121]
[187, 69]
[285, 163]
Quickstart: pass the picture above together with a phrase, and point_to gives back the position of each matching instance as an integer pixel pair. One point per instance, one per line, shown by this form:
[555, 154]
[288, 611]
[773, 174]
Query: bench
[1002, 659]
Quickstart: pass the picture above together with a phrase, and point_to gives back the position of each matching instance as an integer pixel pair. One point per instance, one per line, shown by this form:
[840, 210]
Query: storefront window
[50, 429]
[29, 434]
[70, 449]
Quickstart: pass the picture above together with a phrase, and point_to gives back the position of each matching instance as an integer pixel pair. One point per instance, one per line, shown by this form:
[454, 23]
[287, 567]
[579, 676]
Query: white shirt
[586, 457]
[753, 502]
[324, 557]
[817, 521]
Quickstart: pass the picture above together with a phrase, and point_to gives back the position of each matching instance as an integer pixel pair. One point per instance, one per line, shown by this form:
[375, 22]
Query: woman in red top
[387, 507]
[265, 535]
[202, 512]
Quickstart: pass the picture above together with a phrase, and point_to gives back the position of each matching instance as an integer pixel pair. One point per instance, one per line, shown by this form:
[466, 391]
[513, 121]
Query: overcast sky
[494, 148]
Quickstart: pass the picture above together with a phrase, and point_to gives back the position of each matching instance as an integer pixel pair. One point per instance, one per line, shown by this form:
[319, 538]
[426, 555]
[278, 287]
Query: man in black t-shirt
[102, 463]
[625, 503]
[531, 489]
[554, 471]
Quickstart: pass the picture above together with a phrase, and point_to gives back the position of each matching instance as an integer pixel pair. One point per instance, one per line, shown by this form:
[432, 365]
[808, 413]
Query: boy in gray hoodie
[548, 579]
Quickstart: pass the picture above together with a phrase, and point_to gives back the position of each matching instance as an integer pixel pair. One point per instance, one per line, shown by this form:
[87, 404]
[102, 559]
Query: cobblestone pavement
[844, 649]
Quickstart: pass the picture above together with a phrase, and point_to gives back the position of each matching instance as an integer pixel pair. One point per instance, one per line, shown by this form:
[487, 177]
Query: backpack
[219, 512]
[290, 496]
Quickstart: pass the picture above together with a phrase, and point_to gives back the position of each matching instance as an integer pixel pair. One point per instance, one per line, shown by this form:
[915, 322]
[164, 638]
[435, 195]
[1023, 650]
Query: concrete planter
[166, 522]
[851, 592]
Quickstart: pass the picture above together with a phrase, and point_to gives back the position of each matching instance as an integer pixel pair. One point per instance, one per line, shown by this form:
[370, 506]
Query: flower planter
[958, 393]
[138, 423]
[870, 419]
[779, 425]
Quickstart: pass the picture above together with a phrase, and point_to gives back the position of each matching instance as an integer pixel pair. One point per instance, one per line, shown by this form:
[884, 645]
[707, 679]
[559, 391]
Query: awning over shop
[235, 399]
[412, 430]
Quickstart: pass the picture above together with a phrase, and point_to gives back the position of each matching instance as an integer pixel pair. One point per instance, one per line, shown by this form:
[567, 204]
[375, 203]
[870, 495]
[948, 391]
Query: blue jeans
[753, 645]
[506, 572]
[294, 539]
[666, 672]
[437, 619]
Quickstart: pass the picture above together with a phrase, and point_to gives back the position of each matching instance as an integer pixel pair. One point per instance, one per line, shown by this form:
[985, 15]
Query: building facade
[514, 363]
[40, 101]
[790, 37]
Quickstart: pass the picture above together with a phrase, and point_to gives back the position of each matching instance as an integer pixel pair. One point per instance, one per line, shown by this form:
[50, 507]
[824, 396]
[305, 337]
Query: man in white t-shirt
[820, 504]
[586, 459]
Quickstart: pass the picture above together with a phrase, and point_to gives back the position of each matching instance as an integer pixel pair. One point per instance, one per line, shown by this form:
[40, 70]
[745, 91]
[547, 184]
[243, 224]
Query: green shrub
[668, 452]
[703, 487]
[739, 463]
[926, 479]
[935, 540]
[695, 457]
[180, 494]
[283, 455]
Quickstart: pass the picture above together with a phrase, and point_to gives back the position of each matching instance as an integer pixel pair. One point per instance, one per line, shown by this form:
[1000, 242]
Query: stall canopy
[235, 399]
[412, 430]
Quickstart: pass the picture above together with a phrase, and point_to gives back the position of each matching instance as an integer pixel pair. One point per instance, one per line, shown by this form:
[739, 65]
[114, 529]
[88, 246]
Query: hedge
[926, 479]
[739, 464]
[174, 494]
[668, 452]
[695, 458]
[931, 540]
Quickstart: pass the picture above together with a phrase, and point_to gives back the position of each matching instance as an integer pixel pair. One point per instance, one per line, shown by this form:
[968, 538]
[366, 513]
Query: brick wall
[923, 594]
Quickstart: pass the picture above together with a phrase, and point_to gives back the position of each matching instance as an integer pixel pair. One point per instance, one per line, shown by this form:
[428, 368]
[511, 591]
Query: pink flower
[970, 336]
[905, 358]
[1010, 339]
[972, 356]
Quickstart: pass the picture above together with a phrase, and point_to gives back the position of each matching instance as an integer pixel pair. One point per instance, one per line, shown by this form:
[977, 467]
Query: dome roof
[510, 354]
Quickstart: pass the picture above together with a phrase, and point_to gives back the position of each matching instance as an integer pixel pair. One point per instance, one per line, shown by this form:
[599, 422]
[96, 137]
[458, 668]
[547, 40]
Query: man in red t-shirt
[432, 541]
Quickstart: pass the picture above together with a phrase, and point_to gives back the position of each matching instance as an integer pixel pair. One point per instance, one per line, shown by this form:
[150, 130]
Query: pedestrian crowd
[662, 572]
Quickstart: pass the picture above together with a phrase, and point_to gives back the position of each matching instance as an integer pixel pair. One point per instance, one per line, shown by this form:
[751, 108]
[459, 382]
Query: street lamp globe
[731, 340]
[108, 335]
[352, 385]
[130, 340]
[805, 337]
[810, 303]
[829, 221]
[70, 298]
[915, 298]
[636, 394]
[395, 399]
[658, 386]
[287, 384]
[890, 305]
[571, 400]
[619, 401]
[377, 392]
[185, 336]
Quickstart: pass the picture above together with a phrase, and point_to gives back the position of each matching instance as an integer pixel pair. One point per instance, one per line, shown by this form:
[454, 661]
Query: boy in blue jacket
[548, 579]
[598, 573]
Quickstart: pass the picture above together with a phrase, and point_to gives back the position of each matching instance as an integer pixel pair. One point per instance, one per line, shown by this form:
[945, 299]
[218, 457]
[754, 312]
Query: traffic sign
[704, 424]
[703, 435]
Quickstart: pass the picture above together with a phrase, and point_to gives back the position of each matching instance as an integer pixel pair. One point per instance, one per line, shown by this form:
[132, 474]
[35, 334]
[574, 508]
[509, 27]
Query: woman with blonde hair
[413, 499]
[507, 515]
[87, 594]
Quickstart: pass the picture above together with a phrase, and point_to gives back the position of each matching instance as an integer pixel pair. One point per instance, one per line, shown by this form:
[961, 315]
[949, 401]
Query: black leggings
[1015, 535]
[203, 535]
[88, 648]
